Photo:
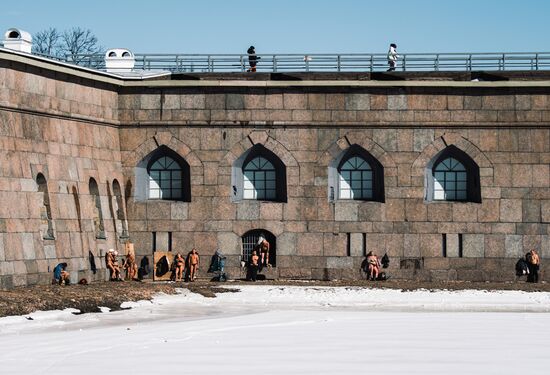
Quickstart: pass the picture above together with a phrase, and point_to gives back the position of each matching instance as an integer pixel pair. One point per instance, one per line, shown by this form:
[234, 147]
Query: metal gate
[250, 240]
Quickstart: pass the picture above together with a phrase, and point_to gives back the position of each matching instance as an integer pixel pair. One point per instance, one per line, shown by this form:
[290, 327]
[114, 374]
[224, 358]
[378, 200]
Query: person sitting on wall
[112, 265]
[179, 264]
[60, 274]
[193, 262]
[373, 266]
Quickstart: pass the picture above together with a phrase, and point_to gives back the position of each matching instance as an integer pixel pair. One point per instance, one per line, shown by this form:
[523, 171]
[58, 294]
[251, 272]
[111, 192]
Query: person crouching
[60, 274]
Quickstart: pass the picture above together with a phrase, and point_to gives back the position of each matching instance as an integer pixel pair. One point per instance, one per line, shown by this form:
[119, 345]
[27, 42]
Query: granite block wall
[59, 130]
[504, 131]
[69, 127]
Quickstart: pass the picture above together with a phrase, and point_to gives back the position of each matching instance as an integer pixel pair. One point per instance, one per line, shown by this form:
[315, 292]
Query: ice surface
[290, 330]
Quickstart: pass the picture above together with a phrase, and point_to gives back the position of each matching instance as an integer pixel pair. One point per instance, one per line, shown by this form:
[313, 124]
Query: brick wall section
[55, 139]
[504, 130]
[71, 128]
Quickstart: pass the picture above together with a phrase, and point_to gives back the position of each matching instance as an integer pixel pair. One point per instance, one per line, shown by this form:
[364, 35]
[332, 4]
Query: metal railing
[415, 62]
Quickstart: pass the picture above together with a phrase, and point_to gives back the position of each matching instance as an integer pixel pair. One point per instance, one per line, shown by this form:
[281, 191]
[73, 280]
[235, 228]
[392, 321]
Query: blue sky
[295, 26]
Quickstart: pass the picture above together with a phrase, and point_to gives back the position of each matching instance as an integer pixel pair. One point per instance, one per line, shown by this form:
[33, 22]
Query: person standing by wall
[193, 261]
[392, 57]
[253, 266]
[533, 262]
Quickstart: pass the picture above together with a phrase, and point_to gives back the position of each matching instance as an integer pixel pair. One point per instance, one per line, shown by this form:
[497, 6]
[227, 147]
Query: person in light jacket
[392, 57]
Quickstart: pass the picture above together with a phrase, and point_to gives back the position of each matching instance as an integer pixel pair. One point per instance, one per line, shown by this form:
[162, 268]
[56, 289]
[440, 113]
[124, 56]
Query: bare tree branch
[78, 41]
[47, 42]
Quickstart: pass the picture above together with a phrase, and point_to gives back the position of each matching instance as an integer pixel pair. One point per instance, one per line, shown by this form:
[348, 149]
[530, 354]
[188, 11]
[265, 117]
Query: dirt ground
[87, 298]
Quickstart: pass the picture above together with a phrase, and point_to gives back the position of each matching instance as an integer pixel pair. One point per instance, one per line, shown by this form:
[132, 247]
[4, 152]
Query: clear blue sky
[295, 26]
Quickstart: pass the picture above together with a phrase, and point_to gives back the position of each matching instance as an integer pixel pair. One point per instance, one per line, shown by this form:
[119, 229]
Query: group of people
[258, 259]
[189, 265]
[253, 58]
[187, 268]
[129, 264]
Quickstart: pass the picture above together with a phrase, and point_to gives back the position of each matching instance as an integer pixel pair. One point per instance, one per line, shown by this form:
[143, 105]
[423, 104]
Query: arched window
[259, 180]
[99, 226]
[450, 179]
[356, 175]
[163, 175]
[452, 176]
[45, 212]
[258, 174]
[165, 179]
[250, 242]
[355, 180]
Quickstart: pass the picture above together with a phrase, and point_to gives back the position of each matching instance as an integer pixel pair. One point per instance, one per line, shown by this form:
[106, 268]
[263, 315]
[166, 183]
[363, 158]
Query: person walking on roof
[392, 57]
[252, 59]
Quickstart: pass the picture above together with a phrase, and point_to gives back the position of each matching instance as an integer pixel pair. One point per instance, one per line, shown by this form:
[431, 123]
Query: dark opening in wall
[364, 244]
[348, 244]
[444, 244]
[154, 241]
[169, 241]
[460, 245]
[250, 242]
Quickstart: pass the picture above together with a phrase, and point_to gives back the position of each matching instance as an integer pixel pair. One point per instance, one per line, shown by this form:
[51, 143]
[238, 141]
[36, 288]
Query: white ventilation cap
[119, 60]
[18, 40]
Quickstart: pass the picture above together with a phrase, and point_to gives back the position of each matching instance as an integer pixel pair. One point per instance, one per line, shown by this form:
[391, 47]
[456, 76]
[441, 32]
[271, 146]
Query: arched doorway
[250, 240]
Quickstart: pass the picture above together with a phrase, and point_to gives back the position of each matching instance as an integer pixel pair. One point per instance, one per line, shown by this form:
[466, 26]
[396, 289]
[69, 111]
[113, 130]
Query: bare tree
[77, 41]
[47, 42]
[70, 44]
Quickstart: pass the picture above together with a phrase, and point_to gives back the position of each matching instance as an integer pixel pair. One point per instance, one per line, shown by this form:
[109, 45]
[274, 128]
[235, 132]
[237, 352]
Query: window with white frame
[452, 175]
[355, 179]
[354, 174]
[450, 180]
[165, 179]
[258, 174]
[259, 179]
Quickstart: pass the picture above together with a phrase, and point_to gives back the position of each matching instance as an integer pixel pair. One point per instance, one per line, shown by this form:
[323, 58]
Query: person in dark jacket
[252, 59]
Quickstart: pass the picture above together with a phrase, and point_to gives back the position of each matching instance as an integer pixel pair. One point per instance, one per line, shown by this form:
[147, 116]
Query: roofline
[72, 69]
[154, 81]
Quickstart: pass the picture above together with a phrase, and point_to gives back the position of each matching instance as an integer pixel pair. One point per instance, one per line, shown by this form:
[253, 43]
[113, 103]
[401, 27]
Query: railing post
[274, 63]
[306, 59]
[143, 65]
[241, 59]
[371, 62]
[404, 63]
[436, 66]
[536, 61]
[338, 63]
[469, 67]
[503, 61]
[209, 63]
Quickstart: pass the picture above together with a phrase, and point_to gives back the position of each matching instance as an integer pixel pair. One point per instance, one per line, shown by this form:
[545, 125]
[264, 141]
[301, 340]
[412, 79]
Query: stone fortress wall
[64, 130]
[70, 128]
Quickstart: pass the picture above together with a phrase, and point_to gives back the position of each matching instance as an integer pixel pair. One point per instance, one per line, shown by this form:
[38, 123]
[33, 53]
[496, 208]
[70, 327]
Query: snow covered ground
[290, 330]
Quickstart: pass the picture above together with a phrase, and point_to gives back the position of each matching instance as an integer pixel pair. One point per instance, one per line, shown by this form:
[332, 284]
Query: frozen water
[290, 330]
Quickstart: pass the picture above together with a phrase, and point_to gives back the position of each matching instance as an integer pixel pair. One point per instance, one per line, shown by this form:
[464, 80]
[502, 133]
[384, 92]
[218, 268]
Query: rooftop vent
[18, 40]
[119, 60]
